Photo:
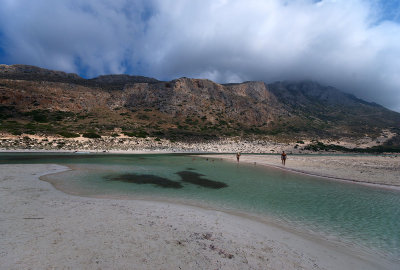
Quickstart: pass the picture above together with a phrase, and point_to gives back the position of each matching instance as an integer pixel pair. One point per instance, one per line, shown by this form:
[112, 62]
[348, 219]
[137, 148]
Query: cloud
[96, 36]
[353, 45]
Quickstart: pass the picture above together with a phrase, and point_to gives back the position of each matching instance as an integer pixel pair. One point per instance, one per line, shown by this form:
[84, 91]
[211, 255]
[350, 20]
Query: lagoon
[354, 214]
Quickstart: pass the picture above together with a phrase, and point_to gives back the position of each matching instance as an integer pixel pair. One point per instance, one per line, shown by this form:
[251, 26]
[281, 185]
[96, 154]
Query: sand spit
[43, 228]
[382, 170]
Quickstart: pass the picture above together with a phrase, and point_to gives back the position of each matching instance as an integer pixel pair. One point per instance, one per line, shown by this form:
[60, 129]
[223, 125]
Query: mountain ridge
[184, 107]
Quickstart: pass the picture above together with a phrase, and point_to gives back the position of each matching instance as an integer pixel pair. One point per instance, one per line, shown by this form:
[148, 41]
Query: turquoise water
[361, 215]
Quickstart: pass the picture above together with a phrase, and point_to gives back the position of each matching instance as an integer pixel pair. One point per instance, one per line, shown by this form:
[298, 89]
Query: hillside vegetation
[40, 101]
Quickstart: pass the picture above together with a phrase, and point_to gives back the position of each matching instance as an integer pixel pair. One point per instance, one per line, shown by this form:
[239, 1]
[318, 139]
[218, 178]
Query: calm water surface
[361, 215]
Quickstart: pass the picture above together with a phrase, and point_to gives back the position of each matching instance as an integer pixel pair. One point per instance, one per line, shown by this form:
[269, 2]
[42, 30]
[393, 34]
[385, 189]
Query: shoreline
[390, 179]
[203, 237]
[278, 224]
[383, 167]
[123, 143]
[193, 151]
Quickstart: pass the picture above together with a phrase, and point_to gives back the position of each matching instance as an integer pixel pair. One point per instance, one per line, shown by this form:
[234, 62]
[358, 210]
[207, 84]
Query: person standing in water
[237, 156]
[283, 158]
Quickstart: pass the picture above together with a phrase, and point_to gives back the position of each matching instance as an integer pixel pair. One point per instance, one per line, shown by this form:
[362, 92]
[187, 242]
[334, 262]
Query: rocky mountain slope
[36, 100]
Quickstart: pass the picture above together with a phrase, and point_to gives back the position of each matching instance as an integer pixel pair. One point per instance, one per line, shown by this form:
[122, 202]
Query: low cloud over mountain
[350, 44]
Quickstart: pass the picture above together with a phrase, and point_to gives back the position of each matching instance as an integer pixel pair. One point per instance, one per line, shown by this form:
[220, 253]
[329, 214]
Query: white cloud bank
[343, 43]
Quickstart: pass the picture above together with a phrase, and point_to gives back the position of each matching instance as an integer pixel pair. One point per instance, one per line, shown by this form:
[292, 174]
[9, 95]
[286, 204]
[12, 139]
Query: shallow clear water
[352, 213]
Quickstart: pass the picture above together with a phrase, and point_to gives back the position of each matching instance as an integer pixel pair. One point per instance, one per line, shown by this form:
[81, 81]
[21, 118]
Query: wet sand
[43, 228]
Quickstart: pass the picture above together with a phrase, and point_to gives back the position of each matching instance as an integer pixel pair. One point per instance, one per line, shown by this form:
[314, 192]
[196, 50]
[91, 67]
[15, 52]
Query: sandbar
[376, 170]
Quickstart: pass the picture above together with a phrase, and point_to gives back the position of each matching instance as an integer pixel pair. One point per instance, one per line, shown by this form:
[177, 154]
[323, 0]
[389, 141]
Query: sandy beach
[380, 170]
[43, 228]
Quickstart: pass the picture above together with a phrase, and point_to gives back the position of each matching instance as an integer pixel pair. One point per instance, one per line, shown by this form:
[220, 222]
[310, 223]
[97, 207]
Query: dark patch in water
[146, 179]
[190, 169]
[196, 179]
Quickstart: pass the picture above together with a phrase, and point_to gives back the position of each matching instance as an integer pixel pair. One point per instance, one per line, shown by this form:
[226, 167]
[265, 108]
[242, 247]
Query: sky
[353, 45]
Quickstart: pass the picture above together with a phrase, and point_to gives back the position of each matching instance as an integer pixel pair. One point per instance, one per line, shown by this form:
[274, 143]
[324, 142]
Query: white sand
[43, 228]
[381, 170]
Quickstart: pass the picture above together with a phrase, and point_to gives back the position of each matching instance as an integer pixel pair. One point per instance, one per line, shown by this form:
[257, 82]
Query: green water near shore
[357, 214]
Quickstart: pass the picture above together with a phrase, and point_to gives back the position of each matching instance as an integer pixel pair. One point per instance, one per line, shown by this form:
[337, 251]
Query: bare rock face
[248, 103]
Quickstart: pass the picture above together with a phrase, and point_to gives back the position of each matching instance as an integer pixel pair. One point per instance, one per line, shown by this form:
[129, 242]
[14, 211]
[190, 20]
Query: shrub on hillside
[138, 134]
[67, 134]
[91, 135]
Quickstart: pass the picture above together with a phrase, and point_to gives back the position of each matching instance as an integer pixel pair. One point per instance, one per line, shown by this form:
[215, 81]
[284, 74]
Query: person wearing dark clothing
[283, 158]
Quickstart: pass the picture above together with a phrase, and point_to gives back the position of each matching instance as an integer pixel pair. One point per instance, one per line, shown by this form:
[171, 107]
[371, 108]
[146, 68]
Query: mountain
[332, 111]
[32, 73]
[37, 100]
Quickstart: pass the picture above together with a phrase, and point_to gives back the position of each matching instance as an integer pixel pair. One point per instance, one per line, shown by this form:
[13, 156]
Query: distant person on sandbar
[283, 158]
[237, 156]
